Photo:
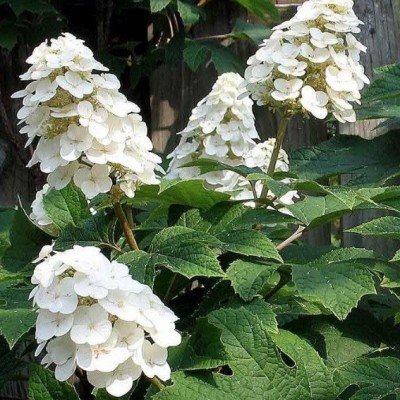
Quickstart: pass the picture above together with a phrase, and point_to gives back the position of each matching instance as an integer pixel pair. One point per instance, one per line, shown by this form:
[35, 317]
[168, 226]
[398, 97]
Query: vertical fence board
[15, 179]
[175, 90]
[381, 34]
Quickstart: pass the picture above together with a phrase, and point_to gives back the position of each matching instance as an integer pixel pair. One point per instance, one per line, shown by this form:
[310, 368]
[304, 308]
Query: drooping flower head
[93, 315]
[88, 131]
[311, 63]
[221, 127]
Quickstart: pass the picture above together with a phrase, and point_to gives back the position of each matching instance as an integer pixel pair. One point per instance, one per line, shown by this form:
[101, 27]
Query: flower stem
[170, 289]
[129, 216]
[130, 238]
[296, 235]
[214, 37]
[275, 153]
[156, 382]
[285, 279]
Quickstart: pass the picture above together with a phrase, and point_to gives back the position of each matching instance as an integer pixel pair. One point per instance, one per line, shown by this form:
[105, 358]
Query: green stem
[275, 153]
[156, 382]
[285, 279]
[169, 293]
[130, 238]
[129, 216]
[214, 37]
[296, 235]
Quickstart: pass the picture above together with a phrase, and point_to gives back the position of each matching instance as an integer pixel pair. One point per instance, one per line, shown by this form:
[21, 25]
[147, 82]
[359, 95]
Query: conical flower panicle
[311, 63]
[222, 127]
[88, 132]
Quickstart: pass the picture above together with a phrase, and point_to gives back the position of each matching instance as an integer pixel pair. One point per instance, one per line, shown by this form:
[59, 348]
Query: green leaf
[187, 193]
[345, 254]
[385, 227]
[259, 308]
[342, 342]
[319, 380]
[187, 252]
[44, 386]
[98, 230]
[316, 210]
[249, 242]
[203, 350]
[158, 5]
[228, 216]
[382, 98]
[261, 8]
[6, 220]
[288, 306]
[141, 264]
[338, 286]
[195, 54]
[153, 219]
[386, 84]
[189, 13]
[377, 378]
[11, 277]
[255, 32]
[8, 34]
[371, 161]
[16, 314]
[259, 372]
[231, 224]
[304, 253]
[174, 49]
[26, 241]
[33, 6]
[249, 278]
[224, 59]
[209, 165]
[67, 206]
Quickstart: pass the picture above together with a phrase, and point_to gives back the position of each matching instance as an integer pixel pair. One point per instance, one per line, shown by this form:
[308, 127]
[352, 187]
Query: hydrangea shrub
[197, 282]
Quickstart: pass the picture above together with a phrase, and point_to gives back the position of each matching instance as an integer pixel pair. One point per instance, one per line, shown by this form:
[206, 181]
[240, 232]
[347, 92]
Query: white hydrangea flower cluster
[311, 63]
[221, 127]
[88, 131]
[93, 315]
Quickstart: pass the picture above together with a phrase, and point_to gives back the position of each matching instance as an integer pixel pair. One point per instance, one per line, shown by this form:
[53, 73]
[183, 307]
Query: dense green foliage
[286, 324]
